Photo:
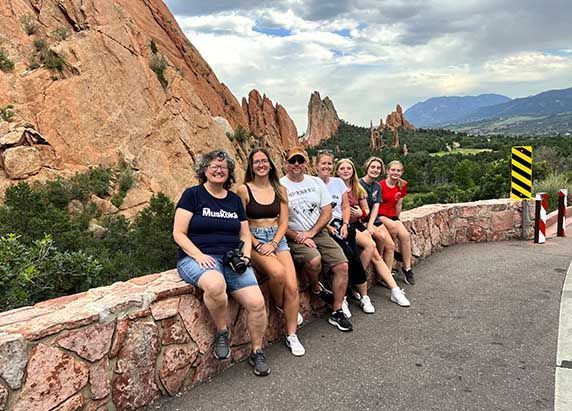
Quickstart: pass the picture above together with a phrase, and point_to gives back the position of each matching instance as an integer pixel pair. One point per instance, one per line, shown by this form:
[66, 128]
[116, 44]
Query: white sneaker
[366, 305]
[295, 345]
[398, 297]
[346, 308]
[355, 294]
[299, 318]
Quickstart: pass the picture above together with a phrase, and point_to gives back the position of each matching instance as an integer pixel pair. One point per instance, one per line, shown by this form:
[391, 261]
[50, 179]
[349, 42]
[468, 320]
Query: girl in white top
[340, 231]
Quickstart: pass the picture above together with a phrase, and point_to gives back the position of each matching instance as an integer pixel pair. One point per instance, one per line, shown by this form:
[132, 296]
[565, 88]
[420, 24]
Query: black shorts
[358, 226]
[394, 218]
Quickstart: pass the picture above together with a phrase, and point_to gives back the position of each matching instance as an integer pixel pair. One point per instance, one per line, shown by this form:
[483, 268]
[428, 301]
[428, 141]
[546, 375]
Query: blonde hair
[400, 182]
[371, 160]
[323, 153]
[357, 190]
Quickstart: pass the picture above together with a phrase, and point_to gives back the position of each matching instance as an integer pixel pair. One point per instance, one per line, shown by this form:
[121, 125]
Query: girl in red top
[393, 190]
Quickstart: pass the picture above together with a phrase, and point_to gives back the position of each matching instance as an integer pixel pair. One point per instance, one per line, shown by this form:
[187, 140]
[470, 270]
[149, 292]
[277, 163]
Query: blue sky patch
[273, 31]
[344, 32]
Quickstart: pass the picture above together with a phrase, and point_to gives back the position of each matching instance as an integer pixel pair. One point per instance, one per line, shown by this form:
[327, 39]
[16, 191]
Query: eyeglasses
[296, 160]
[259, 162]
[215, 167]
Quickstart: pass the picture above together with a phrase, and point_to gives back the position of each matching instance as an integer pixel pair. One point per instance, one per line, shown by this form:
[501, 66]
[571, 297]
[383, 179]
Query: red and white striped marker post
[540, 218]
[562, 200]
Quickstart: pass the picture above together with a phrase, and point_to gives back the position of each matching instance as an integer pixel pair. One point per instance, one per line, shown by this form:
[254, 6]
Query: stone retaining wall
[122, 346]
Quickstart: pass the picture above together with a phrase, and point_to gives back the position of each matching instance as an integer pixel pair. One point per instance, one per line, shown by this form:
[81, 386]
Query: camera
[232, 258]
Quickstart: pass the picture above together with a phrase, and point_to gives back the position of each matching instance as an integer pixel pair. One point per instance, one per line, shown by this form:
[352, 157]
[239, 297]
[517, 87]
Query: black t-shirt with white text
[215, 226]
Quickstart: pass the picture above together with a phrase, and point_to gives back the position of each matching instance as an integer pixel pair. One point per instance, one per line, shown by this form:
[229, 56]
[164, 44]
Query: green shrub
[53, 61]
[96, 181]
[29, 24]
[60, 33]
[33, 62]
[40, 45]
[46, 56]
[159, 65]
[7, 113]
[39, 271]
[124, 182]
[46, 252]
[240, 134]
[155, 249]
[153, 46]
[6, 65]
[552, 185]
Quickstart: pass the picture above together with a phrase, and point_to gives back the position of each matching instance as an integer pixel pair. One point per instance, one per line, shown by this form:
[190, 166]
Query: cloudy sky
[369, 55]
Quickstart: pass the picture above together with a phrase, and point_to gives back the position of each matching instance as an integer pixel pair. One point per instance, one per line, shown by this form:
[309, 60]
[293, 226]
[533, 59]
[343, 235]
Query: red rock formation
[265, 120]
[375, 136]
[397, 120]
[323, 120]
[106, 103]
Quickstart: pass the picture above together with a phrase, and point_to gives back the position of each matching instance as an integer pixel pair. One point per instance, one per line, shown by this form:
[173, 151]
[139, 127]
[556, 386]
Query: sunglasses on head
[297, 159]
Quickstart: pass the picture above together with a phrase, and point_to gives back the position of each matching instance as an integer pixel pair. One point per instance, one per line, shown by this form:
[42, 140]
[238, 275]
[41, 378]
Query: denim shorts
[266, 235]
[191, 272]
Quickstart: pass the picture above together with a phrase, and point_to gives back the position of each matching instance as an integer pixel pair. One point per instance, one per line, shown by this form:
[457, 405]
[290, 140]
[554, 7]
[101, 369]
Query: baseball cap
[296, 151]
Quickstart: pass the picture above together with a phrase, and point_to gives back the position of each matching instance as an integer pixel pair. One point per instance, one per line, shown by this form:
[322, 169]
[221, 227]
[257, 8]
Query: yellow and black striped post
[521, 173]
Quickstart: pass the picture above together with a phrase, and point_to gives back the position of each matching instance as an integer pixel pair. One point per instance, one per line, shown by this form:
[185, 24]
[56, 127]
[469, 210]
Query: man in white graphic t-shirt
[309, 211]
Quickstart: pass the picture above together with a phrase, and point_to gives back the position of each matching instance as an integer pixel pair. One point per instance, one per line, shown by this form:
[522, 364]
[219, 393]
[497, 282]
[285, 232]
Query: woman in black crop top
[266, 203]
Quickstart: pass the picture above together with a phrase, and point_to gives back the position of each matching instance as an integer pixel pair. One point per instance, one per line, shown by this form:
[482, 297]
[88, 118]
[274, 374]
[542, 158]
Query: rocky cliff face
[99, 82]
[323, 120]
[268, 121]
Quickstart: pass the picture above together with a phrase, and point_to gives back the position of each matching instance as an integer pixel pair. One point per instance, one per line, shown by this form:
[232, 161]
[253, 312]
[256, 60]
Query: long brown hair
[357, 190]
[272, 173]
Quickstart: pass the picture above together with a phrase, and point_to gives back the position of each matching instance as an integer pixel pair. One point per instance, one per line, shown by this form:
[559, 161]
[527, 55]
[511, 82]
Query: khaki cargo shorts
[327, 248]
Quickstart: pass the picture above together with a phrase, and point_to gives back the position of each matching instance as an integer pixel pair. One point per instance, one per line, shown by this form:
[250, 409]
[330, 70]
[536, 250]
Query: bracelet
[274, 243]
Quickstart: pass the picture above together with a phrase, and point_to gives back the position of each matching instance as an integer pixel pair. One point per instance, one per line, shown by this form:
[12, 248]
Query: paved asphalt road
[480, 335]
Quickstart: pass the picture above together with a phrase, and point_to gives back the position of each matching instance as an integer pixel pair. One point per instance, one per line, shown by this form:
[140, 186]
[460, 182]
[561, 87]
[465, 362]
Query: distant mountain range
[446, 110]
[549, 112]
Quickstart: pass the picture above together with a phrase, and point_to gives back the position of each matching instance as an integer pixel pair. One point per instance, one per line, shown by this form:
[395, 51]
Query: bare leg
[383, 237]
[312, 269]
[367, 245]
[215, 298]
[291, 297]
[397, 229]
[383, 271]
[405, 245]
[339, 284]
[252, 300]
[271, 266]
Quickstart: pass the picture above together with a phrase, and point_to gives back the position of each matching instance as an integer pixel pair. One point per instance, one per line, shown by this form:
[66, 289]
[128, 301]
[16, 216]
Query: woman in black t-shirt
[210, 222]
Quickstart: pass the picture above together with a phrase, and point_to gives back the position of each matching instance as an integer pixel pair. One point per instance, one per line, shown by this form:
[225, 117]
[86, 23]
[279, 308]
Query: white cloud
[370, 55]
[531, 66]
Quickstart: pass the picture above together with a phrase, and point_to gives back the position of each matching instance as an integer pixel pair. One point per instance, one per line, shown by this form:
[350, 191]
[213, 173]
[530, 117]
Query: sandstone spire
[266, 120]
[396, 120]
[323, 120]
